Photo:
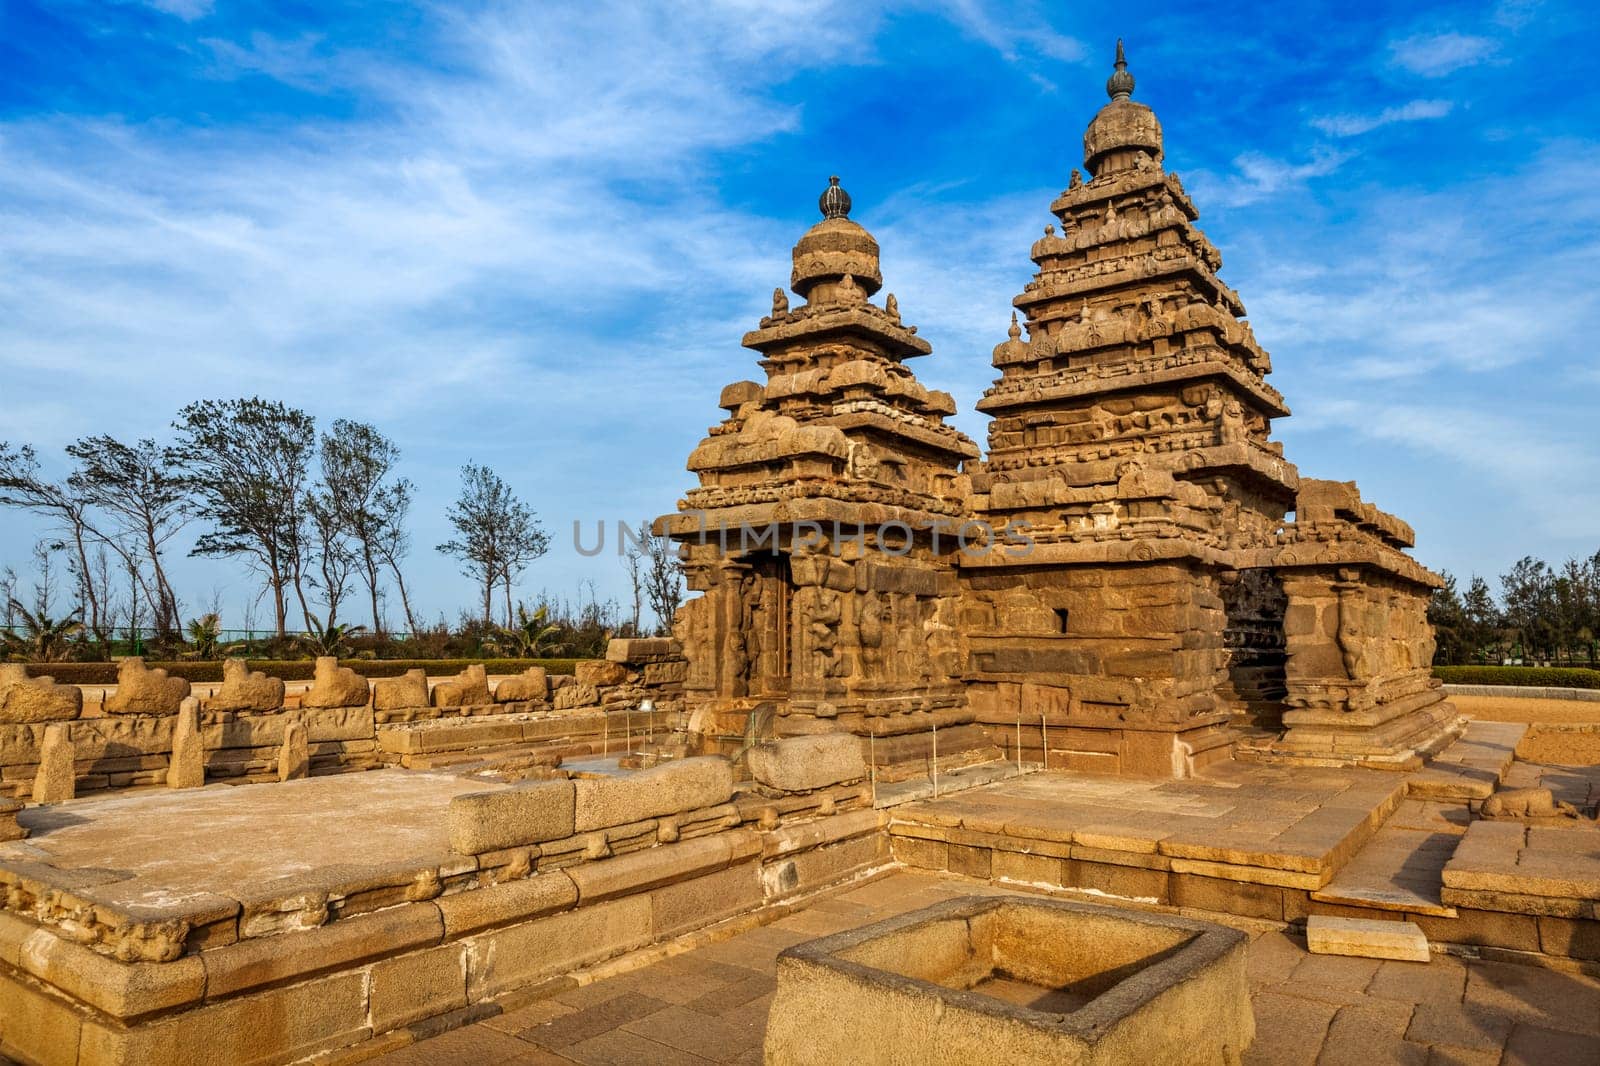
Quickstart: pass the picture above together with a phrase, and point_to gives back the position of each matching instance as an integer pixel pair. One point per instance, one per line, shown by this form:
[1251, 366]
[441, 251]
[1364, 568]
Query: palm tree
[330, 640]
[43, 639]
[533, 637]
[204, 632]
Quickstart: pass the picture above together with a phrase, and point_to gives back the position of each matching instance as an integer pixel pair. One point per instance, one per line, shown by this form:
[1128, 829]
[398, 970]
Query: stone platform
[1255, 829]
[705, 1000]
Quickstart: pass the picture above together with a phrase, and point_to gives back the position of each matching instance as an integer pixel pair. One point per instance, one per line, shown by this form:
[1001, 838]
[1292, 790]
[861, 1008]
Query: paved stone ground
[710, 1004]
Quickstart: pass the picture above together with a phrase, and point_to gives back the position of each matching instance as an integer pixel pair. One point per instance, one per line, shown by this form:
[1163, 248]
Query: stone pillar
[294, 758]
[187, 768]
[57, 778]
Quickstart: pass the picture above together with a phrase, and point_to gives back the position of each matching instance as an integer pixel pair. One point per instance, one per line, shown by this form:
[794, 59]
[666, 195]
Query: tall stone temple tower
[1162, 589]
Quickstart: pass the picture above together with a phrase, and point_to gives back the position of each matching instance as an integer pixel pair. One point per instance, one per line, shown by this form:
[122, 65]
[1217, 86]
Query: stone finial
[1120, 85]
[56, 781]
[1015, 332]
[834, 201]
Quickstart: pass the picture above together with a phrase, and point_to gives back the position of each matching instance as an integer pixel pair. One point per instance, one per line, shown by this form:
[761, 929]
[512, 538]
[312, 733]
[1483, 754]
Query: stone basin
[1015, 980]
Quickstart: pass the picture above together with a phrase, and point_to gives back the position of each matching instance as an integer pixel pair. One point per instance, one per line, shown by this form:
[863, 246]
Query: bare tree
[333, 555]
[357, 461]
[247, 462]
[22, 486]
[497, 535]
[663, 580]
[633, 556]
[138, 489]
[391, 541]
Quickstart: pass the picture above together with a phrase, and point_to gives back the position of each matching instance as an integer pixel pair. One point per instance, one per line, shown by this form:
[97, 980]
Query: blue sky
[531, 235]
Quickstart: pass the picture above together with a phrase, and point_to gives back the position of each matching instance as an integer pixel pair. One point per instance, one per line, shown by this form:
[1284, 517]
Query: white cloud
[1437, 54]
[1258, 176]
[1350, 125]
[188, 10]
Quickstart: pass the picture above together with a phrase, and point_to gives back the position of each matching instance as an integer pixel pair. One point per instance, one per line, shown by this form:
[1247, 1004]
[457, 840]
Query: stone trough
[1015, 980]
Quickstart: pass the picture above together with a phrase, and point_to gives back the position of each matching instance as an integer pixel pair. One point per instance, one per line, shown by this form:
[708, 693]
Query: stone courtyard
[1168, 692]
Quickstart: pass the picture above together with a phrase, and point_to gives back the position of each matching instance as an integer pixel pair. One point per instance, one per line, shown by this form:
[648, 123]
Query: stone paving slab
[1401, 868]
[1473, 766]
[1309, 1009]
[1305, 822]
[156, 849]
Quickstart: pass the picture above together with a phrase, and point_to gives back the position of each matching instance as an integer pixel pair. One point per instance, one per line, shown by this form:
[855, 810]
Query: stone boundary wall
[1524, 692]
[131, 747]
[330, 965]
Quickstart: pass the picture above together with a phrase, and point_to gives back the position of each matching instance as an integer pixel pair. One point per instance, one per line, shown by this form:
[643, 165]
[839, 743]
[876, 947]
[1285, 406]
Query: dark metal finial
[1120, 85]
[834, 201]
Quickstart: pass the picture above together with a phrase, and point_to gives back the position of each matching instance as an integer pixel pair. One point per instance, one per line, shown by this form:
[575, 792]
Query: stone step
[1364, 938]
[1401, 868]
[1472, 767]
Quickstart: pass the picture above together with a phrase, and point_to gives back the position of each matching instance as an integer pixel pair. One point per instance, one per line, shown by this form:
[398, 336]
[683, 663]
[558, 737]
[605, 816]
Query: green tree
[357, 464]
[497, 535]
[1449, 619]
[247, 462]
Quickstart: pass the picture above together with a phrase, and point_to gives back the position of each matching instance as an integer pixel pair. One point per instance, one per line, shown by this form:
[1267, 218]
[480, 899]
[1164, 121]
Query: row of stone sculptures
[142, 690]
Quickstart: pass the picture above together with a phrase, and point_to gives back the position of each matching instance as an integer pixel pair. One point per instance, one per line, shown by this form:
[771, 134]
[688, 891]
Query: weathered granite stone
[188, 766]
[244, 689]
[56, 780]
[682, 785]
[507, 818]
[1366, 938]
[9, 829]
[532, 684]
[403, 693]
[335, 686]
[800, 764]
[36, 699]
[470, 688]
[600, 673]
[576, 694]
[294, 756]
[145, 691]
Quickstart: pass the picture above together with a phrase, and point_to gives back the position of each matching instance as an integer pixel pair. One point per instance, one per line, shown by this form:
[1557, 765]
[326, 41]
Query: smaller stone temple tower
[828, 593]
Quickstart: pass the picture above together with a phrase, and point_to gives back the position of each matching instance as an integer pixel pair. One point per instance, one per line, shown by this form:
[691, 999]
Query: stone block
[36, 699]
[262, 961]
[37, 1027]
[685, 905]
[9, 829]
[470, 688]
[56, 779]
[244, 689]
[187, 768]
[500, 960]
[1366, 938]
[1570, 938]
[801, 764]
[1227, 897]
[532, 684]
[574, 695]
[601, 673]
[1028, 869]
[819, 867]
[920, 854]
[506, 903]
[277, 1025]
[125, 990]
[143, 691]
[638, 650]
[423, 984]
[650, 868]
[406, 692]
[528, 813]
[671, 788]
[333, 685]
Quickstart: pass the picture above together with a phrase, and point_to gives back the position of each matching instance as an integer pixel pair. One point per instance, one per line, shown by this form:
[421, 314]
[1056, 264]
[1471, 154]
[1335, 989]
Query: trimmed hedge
[296, 669]
[1534, 676]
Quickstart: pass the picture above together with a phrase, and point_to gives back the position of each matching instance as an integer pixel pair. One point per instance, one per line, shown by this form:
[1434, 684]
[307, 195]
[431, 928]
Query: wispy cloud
[1433, 55]
[1257, 176]
[1350, 125]
[188, 10]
